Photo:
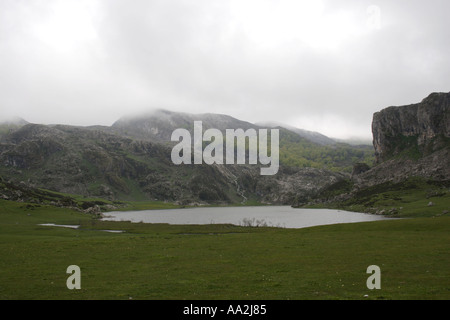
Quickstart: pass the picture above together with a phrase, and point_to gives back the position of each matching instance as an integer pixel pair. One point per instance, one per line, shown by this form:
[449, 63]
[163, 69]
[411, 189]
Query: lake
[272, 216]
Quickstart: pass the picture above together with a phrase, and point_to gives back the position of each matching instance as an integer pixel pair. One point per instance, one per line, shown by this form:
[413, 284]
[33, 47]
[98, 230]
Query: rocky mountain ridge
[114, 163]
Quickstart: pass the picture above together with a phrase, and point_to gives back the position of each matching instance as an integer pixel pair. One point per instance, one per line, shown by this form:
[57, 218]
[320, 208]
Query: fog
[325, 66]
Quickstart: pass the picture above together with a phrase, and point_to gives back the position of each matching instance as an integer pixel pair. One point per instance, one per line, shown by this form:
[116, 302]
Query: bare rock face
[416, 130]
[411, 141]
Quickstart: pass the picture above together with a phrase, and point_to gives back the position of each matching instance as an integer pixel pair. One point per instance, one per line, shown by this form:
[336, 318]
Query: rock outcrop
[411, 141]
[416, 130]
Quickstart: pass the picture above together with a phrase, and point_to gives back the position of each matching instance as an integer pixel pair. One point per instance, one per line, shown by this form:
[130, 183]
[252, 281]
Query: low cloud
[323, 65]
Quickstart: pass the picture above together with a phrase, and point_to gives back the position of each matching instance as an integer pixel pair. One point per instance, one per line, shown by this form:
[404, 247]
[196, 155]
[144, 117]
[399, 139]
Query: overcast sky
[325, 66]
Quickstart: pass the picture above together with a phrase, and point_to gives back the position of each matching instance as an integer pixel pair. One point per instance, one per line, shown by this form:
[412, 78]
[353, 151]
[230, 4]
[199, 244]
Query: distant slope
[355, 141]
[308, 135]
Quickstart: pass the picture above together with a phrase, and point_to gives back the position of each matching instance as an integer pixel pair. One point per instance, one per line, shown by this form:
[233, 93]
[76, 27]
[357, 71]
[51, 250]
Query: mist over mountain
[13, 121]
[158, 125]
[11, 124]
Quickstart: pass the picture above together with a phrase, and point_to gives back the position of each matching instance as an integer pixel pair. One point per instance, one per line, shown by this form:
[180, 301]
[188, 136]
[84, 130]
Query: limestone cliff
[416, 130]
[411, 141]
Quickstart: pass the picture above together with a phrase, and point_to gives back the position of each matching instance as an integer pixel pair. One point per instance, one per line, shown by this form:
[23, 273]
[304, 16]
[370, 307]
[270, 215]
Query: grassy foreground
[219, 261]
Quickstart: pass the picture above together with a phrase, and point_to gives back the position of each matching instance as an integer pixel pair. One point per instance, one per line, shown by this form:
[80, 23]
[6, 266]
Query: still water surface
[273, 216]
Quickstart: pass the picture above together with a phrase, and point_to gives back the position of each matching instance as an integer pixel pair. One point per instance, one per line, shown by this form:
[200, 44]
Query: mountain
[108, 163]
[298, 148]
[131, 160]
[159, 124]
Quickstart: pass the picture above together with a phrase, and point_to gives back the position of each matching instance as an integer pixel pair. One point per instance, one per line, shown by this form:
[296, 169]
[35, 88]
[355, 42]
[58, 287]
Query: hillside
[96, 162]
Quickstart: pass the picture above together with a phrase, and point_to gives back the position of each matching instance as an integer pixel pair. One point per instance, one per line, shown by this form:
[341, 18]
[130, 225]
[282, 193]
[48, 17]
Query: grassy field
[218, 261]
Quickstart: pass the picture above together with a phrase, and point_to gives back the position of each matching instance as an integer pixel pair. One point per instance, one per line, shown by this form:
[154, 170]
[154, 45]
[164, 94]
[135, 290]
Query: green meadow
[159, 261]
